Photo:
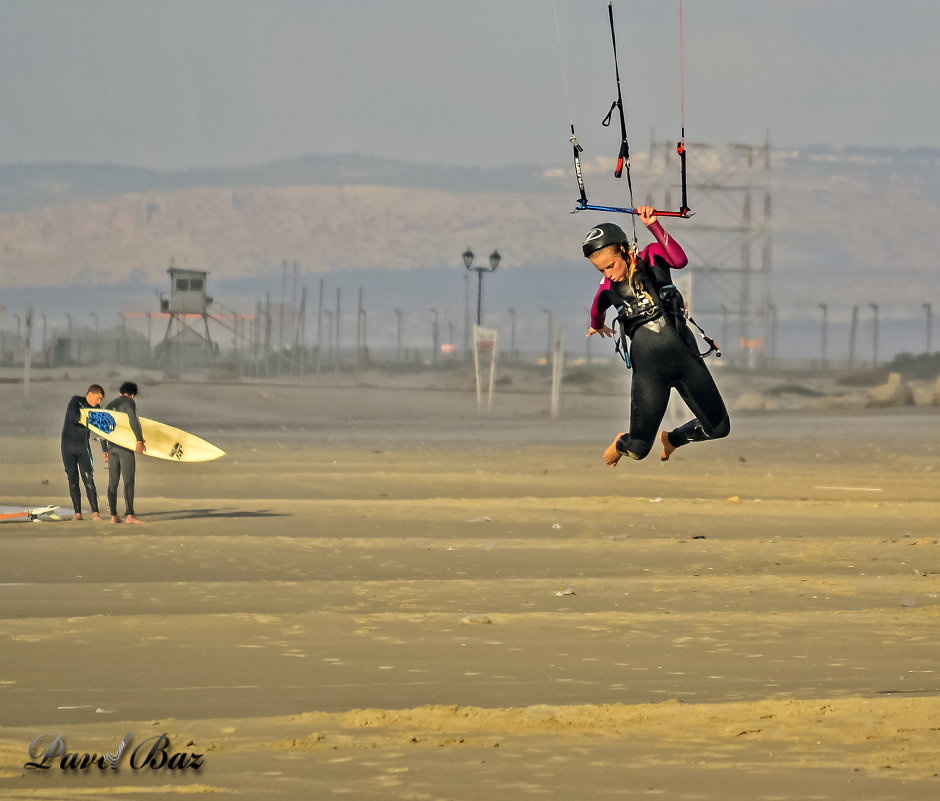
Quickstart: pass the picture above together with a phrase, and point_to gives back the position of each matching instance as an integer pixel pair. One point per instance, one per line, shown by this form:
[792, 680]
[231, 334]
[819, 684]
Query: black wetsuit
[121, 461]
[76, 455]
[664, 357]
[663, 352]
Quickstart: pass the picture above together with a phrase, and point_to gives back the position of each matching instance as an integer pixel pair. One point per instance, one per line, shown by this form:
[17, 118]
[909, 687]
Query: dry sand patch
[478, 607]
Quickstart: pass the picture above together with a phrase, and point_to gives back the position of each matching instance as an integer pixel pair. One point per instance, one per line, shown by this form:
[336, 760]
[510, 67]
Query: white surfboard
[163, 441]
[13, 514]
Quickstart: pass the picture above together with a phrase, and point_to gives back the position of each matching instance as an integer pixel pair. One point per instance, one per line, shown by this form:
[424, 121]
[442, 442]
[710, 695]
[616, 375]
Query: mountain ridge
[840, 218]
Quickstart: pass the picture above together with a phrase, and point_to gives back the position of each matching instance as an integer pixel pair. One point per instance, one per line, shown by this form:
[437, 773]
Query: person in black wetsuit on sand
[76, 452]
[662, 349]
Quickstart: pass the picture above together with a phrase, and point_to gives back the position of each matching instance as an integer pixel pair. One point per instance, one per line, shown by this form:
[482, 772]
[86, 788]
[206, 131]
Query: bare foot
[611, 454]
[132, 519]
[78, 516]
[95, 516]
[115, 519]
[668, 447]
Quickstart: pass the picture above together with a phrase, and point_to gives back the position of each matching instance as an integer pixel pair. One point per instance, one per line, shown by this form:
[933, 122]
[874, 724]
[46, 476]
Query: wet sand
[383, 593]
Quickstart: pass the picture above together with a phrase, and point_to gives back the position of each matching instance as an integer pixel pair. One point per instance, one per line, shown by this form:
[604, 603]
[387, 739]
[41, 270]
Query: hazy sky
[183, 83]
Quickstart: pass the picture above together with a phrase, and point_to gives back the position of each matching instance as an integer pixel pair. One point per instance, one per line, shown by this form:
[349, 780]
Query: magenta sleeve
[598, 309]
[668, 249]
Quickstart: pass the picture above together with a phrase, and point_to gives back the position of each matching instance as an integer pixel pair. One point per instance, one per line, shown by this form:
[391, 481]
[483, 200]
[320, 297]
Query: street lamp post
[466, 315]
[398, 315]
[434, 336]
[874, 308]
[68, 352]
[929, 310]
[773, 334]
[853, 331]
[512, 337]
[479, 270]
[548, 352]
[825, 325]
[328, 314]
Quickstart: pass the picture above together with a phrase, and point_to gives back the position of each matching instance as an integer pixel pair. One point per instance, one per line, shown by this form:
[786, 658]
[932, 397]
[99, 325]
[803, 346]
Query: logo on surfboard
[103, 421]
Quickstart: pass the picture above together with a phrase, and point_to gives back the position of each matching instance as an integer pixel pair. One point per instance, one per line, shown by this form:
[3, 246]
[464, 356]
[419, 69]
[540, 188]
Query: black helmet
[603, 235]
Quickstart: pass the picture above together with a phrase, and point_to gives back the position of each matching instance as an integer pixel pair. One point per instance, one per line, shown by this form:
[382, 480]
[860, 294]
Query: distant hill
[23, 186]
[851, 226]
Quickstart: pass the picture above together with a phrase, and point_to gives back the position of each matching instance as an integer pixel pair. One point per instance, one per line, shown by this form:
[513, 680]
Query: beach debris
[734, 499]
[477, 619]
[565, 591]
[481, 519]
[556, 525]
[656, 500]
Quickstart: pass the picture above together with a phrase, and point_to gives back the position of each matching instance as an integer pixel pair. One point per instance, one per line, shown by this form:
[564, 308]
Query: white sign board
[484, 352]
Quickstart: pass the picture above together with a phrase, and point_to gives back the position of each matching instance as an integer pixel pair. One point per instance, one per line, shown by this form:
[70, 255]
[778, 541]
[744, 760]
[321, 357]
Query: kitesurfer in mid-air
[662, 350]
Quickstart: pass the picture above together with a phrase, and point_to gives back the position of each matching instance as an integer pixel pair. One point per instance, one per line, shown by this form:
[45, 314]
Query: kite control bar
[684, 213]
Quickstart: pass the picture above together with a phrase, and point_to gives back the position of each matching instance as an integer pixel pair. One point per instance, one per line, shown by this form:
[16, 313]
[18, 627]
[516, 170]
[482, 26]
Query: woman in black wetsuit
[663, 351]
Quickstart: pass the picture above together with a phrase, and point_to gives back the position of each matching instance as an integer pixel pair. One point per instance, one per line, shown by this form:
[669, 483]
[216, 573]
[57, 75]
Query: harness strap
[620, 340]
[712, 345]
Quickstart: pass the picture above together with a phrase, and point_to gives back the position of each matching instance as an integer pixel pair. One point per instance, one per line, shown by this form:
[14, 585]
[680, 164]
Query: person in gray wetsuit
[122, 462]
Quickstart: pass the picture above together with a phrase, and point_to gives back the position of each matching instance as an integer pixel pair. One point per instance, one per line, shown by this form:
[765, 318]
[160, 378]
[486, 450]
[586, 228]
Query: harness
[667, 303]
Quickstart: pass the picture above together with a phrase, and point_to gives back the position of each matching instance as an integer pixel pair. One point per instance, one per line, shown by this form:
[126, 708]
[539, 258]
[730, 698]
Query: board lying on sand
[12, 514]
[163, 441]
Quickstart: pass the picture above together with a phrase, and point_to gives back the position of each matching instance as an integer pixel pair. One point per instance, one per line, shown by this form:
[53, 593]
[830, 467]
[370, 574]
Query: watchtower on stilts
[187, 303]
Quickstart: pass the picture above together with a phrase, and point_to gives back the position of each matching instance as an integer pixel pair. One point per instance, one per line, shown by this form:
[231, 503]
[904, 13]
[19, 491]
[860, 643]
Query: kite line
[623, 157]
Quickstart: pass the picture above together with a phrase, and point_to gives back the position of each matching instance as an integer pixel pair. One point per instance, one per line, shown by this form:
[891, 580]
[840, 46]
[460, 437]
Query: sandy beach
[381, 592]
